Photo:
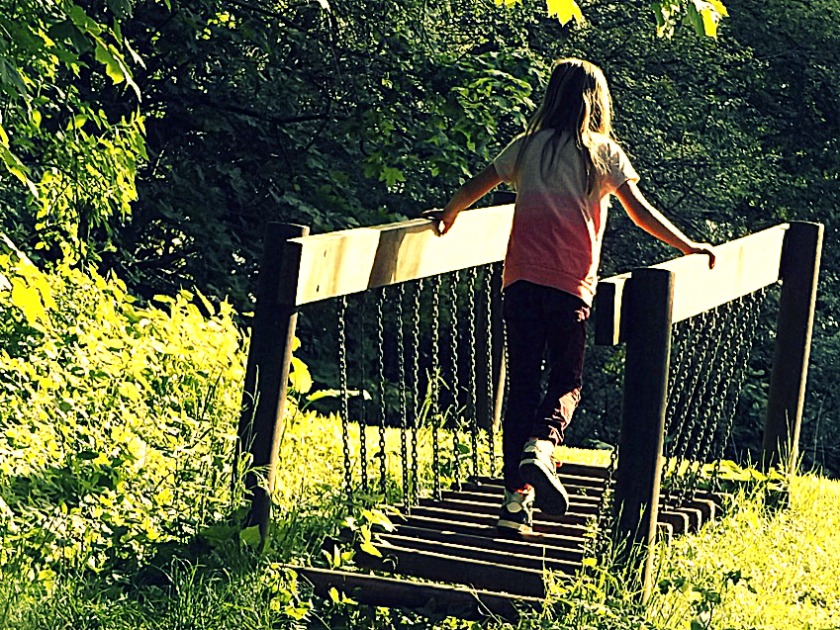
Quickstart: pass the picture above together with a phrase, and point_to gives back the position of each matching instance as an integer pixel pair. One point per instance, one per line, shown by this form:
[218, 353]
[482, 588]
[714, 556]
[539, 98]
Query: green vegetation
[144, 146]
[119, 506]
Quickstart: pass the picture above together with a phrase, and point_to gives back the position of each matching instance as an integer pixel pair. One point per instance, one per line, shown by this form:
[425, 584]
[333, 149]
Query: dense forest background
[155, 139]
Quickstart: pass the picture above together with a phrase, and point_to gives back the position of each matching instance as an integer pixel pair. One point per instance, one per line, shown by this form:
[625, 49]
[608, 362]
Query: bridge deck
[475, 571]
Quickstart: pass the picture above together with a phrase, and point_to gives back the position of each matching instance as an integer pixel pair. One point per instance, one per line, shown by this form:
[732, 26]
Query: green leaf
[28, 300]
[112, 67]
[368, 548]
[250, 536]
[391, 176]
[299, 377]
[564, 11]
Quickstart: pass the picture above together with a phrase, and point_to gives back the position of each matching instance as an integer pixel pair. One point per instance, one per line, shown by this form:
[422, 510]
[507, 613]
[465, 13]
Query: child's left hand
[704, 248]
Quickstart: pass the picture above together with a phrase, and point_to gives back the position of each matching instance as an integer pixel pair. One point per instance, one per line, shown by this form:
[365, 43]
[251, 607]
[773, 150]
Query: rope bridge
[419, 348]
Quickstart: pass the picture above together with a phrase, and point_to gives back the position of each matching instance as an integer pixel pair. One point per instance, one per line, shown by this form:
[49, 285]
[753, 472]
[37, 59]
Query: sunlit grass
[786, 564]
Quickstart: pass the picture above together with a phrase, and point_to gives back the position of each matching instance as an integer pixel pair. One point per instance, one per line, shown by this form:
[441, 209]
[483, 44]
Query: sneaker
[517, 511]
[539, 470]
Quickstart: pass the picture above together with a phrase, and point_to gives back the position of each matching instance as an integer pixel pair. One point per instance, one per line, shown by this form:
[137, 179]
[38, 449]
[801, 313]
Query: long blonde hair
[576, 102]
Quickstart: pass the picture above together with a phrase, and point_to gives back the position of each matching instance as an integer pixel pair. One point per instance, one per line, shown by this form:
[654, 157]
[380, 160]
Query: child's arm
[653, 222]
[472, 190]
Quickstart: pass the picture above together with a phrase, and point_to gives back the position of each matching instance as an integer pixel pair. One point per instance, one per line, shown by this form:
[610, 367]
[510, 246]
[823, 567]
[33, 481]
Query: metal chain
[491, 402]
[724, 372]
[604, 516]
[757, 302]
[380, 341]
[341, 308]
[435, 386]
[454, 279]
[472, 415]
[680, 336]
[702, 404]
[363, 418]
[415, 384]
[401, 389]
[679, 409]
[689, 420]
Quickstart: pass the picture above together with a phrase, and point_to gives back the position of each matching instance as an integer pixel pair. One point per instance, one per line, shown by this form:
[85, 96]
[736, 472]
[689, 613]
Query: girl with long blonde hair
[564, 169]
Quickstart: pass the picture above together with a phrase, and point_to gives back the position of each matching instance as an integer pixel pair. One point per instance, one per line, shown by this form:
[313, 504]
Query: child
[564, 167]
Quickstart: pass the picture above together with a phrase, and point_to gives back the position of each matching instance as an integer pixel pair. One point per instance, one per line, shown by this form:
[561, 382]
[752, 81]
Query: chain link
[757, 302]
[418, 403]
[491, 402]
[401, 391]
[434, 377]
[472, 414]
[380, 344]
[342, 380]
[363, 380]
[454, 280]
[724, 369]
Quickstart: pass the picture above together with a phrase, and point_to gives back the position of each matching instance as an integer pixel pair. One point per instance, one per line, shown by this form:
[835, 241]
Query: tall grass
[118, 511]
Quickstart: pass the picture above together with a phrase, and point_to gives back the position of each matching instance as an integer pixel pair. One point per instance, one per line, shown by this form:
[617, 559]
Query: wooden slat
[571, 516]
[526, 545]
[433, 598]
[540, 524]
[490, 531]
[475, 551]
[458, 569]
[607, 310]
[350, 261]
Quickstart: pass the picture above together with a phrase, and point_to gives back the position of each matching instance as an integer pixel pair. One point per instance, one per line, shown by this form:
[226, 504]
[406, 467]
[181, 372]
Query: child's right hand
[442, 219]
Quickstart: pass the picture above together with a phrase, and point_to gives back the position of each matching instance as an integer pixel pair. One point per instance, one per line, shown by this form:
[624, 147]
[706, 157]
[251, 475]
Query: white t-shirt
[558, 227]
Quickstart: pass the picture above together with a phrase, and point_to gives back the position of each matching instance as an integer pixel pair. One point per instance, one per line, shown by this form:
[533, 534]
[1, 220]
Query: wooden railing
[637, 308]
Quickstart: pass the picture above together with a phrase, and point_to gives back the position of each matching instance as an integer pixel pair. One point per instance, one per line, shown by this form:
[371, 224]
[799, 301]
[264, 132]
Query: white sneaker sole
[513, 526]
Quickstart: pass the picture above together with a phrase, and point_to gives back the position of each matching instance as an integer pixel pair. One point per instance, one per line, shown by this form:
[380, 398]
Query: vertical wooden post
[267, 372]
[648, 303]
[799, 271]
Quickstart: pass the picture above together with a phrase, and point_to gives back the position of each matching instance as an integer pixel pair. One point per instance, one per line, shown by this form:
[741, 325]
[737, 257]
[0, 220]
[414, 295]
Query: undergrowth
[120, 506]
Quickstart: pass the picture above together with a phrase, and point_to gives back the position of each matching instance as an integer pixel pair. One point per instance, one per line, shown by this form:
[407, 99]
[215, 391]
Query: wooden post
[648, 301]
[799, 271]
[267, 372]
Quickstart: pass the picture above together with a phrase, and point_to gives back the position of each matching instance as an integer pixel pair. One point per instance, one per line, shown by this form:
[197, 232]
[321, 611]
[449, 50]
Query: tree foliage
[72, 161]
[355, 113]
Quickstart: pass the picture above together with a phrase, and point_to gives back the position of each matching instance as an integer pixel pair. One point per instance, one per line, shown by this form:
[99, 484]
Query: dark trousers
[541, 323]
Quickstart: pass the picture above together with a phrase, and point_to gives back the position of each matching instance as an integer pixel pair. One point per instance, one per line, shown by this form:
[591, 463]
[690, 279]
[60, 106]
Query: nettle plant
[117, 420]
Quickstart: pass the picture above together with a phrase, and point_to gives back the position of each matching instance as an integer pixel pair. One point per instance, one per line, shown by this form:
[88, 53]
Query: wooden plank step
[589, 484]
[434, 599]
[488, 531]
[524, 545]
[443, 566]
[541, 525]
[572, 516]
[493, 494]
[389, 541]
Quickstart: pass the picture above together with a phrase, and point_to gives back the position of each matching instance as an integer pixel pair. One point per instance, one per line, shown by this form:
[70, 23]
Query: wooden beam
[267, 371]
[743, 266]
[607, 310]
[350, 261]
[433, 598]
[800, 271]
[648, 327]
